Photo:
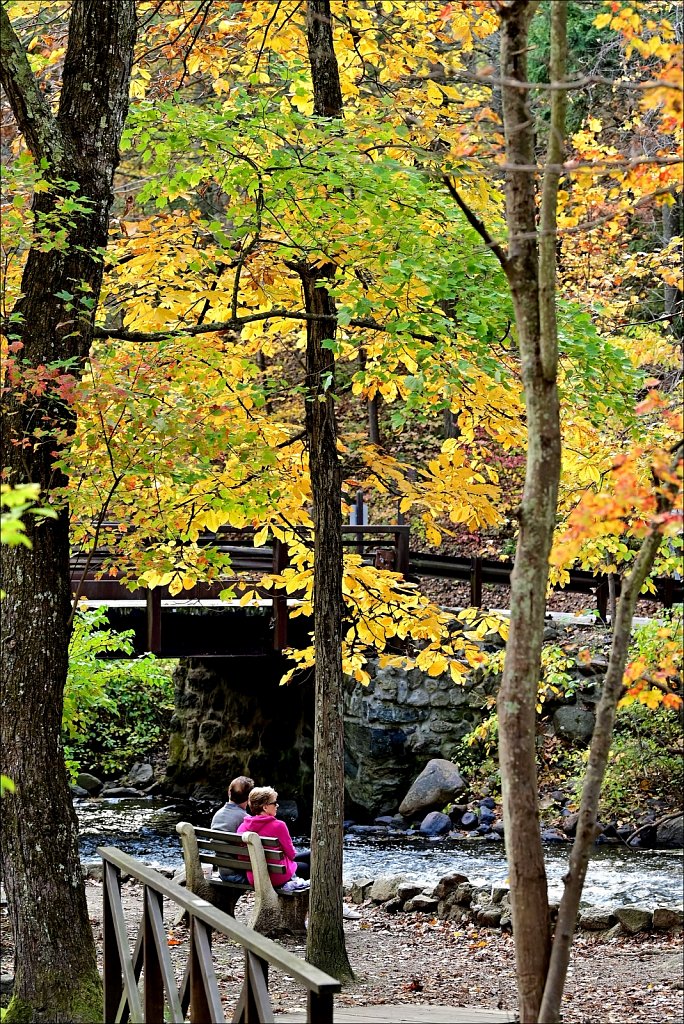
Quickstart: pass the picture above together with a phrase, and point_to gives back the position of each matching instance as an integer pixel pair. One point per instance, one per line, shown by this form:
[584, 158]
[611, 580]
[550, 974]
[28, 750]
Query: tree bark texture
[56, 976]
[325, 938]
[530, 268]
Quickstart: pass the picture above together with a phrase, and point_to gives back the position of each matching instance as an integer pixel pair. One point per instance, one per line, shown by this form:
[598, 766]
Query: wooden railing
[161, 999]
[384, 545]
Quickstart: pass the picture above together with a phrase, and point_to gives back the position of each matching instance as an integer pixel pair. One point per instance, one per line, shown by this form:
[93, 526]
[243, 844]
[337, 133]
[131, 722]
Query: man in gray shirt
[228, 817]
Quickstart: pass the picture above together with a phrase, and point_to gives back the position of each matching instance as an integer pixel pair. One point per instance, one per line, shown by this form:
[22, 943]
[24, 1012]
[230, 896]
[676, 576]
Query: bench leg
[285, 913]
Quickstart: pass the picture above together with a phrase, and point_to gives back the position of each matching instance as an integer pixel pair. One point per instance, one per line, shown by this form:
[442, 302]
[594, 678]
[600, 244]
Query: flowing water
[146, 829]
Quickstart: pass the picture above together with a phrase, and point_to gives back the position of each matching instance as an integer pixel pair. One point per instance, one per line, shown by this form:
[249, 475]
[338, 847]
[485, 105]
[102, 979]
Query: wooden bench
[275, 912]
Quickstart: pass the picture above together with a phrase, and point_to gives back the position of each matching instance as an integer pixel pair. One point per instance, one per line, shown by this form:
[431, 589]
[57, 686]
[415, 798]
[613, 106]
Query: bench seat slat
[218, 834]
[272, 856]
[217, 860]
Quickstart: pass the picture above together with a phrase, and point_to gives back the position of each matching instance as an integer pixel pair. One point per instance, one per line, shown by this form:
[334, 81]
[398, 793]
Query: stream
[617, 876]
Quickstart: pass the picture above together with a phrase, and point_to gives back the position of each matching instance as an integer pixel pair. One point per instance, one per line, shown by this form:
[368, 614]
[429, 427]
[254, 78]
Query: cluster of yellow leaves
[655, 684]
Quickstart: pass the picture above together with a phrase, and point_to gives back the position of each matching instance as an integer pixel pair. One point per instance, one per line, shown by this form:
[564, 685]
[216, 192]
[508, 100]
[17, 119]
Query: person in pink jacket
[263, 807]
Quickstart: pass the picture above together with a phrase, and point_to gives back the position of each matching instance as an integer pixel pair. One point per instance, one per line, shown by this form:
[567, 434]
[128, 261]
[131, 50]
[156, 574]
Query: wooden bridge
[200, 624]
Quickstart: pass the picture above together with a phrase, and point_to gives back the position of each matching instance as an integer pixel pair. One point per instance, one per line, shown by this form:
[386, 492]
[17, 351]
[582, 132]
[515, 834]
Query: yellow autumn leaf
[260, 537]
[434, 94]
[438, 666]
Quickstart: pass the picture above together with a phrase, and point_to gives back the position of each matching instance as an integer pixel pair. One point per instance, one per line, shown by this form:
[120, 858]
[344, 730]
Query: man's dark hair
[239, 789]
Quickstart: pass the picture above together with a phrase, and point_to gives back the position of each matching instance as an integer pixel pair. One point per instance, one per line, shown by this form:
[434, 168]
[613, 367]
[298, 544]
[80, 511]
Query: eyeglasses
[272, 804]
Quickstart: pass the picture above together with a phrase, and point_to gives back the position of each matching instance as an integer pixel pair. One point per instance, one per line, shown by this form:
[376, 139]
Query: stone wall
[397, 723]
[233, 718]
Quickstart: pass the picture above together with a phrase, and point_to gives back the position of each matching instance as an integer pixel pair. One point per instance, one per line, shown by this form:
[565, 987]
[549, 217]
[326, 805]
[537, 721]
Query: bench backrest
[228, 850]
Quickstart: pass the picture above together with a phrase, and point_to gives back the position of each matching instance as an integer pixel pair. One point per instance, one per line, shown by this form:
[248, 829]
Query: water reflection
[146, 829]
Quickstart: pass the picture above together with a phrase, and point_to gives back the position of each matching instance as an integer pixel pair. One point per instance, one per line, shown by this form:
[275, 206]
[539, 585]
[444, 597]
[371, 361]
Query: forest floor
[412, 958]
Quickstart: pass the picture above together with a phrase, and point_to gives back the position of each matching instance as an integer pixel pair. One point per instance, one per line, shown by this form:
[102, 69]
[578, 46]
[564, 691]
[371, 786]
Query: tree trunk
[325, 938]
[598, 759]
[530, 268]
[56, 975]
[374, 420]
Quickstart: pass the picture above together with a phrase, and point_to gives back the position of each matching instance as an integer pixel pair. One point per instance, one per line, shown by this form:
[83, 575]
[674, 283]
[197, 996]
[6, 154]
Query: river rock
[359, 890]
[634, 919]
[667, 919]
[463, 894]
[79, 791]
[570, 823]
[141, 774]
[553, 835]
[489, 916]
[386, 887]
[437, 784]
[92, 871]
[470, 821]
[573, 722]
[407, 890]
[435, 824]
[670, 834]
[596, 919]
[422, 903]
[448, 884]
[89, 782]
[457, 812]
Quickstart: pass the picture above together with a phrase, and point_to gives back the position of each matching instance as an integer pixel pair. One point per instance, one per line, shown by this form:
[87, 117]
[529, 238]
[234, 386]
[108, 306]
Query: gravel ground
[411, 958]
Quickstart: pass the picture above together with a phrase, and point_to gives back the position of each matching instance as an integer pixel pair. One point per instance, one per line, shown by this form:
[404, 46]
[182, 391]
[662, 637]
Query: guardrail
[161, 999]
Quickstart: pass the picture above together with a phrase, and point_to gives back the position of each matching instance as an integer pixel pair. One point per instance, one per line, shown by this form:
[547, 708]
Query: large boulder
[438, 783]
[667, 919]
[386, 887]
[90, 783]
[573, 722]
[141, 774]
[670, 833]
[597, 919]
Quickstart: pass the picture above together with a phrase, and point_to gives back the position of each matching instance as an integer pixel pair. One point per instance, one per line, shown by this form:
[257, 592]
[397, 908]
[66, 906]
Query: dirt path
[411, 958]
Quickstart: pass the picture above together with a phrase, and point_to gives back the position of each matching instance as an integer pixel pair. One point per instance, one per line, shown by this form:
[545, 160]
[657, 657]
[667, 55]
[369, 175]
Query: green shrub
[645, 760]
[115, 711]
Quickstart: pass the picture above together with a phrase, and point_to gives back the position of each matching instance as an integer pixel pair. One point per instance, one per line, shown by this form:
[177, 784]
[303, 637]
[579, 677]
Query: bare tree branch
[475, 222]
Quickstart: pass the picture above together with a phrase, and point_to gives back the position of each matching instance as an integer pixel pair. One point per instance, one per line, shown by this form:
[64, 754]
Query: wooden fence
[161, 998]
[385, 545]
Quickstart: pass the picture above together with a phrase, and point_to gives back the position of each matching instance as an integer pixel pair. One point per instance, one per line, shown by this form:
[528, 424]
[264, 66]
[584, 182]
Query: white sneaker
[350, 915]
